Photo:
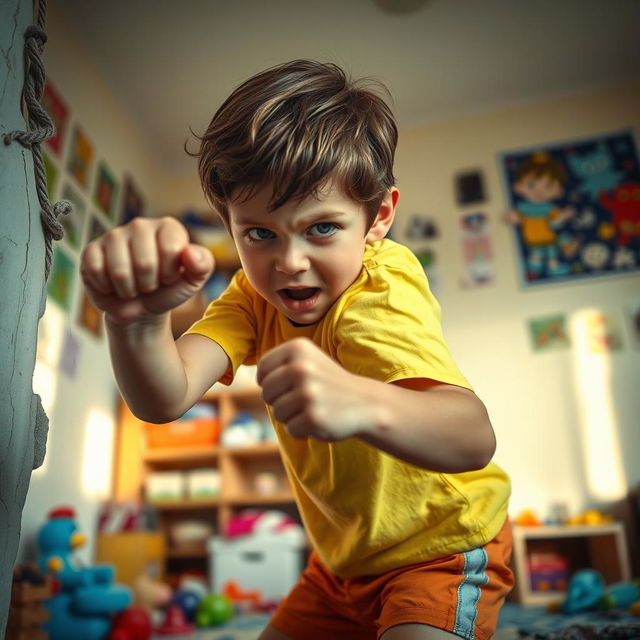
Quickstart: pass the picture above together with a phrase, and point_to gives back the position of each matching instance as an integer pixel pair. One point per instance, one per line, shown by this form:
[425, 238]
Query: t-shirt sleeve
[390, 330]
[230, 321]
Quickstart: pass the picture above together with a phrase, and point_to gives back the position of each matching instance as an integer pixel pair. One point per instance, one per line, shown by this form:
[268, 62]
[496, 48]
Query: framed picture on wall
[132, 201]
[51, 172]
[74, 221]
[80, 157]
[574, 208]
[61, 278]
[58, 110]
[105, 191]
[96, 227]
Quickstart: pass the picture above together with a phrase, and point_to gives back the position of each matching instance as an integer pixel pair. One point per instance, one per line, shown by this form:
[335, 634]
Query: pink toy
[252, 521]
[174, 623]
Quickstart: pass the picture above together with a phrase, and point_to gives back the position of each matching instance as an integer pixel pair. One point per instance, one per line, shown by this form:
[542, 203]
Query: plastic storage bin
[270, 563]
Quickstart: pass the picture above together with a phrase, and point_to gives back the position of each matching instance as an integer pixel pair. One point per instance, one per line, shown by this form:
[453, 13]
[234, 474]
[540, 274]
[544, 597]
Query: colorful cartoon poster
[105, 193]
[477, 249]
[58, 110]
[132, 203]
[60, 283]
[575, 208]
[549, 333]
[73, 222]
[80, 157]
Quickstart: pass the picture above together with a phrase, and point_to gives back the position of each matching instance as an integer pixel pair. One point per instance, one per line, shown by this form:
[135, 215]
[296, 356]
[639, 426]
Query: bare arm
[136, 274]
[438, 427]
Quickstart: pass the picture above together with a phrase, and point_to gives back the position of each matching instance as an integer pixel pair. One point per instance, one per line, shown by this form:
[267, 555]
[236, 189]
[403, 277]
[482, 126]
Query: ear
[384, 217]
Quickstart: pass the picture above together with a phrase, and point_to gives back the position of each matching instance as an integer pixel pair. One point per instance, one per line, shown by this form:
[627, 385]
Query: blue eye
[258, 233]
[323, 229]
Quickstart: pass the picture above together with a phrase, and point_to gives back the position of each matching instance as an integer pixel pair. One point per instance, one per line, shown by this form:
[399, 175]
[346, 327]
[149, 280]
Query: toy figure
[82, 609]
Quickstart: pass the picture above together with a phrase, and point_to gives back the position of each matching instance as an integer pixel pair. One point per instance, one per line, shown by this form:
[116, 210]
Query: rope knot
[37, 33]
[62, 208]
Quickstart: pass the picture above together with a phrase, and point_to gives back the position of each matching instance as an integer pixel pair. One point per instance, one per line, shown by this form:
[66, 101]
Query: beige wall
[535, 399]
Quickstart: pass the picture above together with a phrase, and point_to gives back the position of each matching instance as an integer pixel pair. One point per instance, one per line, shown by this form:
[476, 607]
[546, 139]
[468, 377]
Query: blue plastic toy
[86, 600]
[585, 589]
[620, 595]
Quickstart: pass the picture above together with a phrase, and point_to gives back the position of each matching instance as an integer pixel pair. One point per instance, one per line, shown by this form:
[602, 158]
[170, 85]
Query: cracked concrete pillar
[21, 295]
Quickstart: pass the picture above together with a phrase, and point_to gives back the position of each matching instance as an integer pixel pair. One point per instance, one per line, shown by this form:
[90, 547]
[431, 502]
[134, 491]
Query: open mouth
[302, 293]
[299, 299]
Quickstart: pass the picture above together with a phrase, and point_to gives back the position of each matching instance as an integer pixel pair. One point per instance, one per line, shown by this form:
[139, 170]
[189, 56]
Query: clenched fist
[144, 268]
[313, 396]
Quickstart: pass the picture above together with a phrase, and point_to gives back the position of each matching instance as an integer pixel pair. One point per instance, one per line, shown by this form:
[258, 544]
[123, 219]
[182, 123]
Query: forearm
[443, 428]
[148, 368]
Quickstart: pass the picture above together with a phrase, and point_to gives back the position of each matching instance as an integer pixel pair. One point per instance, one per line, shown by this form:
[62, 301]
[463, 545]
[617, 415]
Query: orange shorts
[460, 593]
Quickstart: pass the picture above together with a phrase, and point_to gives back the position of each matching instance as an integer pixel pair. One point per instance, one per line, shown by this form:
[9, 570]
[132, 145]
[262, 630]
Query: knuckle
[143, 266]
[120, 274]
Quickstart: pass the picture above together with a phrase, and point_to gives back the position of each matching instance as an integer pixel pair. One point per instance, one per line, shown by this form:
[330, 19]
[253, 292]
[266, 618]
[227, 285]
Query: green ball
[213, 610]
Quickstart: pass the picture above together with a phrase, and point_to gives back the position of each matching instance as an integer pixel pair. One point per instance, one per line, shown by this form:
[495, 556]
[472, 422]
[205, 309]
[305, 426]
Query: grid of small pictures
[101, 199]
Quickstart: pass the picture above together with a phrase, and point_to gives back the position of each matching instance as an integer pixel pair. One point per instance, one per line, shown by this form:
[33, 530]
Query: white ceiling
[172, 63]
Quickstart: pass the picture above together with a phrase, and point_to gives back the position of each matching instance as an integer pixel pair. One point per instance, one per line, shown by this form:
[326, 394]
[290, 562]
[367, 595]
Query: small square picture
[74, 221]
[97, 228]
[132, 203]
[51, 171]
[60, 283]
[58, 110]
[89, 317]
[469, 187]
[80, 157]
[105, 191]
[549, 333]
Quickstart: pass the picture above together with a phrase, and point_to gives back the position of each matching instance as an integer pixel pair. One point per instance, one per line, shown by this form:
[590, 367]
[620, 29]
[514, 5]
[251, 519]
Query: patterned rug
[537, 622]
[516, 623]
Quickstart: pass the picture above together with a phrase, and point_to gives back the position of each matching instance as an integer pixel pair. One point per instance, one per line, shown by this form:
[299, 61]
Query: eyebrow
[310, 219]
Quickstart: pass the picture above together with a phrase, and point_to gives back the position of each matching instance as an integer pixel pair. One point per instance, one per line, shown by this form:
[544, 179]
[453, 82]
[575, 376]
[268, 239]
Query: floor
[516, 623]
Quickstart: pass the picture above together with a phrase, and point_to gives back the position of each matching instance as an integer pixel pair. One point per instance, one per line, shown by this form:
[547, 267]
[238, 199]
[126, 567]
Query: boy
[386, 447]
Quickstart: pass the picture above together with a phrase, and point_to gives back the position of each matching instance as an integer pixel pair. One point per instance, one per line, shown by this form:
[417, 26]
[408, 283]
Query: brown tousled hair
[295, 126]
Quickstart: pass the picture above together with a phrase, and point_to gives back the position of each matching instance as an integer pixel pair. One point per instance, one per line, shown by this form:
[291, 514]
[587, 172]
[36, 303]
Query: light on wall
[600, 443]
[97, 454]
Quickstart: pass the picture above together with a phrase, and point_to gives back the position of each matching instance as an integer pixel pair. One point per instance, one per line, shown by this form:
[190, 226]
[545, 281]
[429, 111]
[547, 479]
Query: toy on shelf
[214, 609]
[150, 594]
[590, 517]
[133, 623]
[27, 614]
[86, 600]
[527, 518]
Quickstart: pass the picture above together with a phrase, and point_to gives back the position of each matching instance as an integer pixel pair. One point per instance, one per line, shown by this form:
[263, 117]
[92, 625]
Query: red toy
[133, 623]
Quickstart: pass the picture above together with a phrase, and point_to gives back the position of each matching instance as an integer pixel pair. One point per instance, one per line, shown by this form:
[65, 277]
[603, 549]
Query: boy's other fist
[144, 268]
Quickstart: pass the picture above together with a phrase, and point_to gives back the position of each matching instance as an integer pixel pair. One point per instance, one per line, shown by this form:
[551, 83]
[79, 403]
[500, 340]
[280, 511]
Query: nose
[292, 259]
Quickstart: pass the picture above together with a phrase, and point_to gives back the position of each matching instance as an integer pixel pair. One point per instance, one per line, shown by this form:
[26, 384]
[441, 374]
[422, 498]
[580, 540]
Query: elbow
[155, 414]
[483, 452]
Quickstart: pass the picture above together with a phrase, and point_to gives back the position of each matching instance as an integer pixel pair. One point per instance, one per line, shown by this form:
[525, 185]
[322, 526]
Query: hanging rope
[40, 127]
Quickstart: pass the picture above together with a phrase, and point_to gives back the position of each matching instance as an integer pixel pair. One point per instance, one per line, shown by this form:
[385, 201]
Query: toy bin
[269, 563]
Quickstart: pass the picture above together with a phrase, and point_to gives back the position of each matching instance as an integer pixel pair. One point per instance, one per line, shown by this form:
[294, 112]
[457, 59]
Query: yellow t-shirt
[365, 511]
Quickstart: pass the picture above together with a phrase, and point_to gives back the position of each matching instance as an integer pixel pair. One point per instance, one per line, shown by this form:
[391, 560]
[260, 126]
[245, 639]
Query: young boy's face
[304, 255]
[535, 188]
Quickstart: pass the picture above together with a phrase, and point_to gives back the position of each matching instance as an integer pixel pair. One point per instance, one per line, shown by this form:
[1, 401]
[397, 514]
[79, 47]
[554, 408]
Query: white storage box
[270, 563]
